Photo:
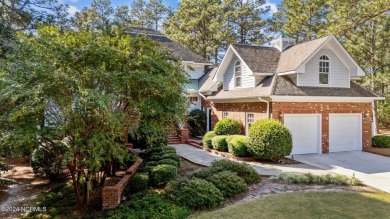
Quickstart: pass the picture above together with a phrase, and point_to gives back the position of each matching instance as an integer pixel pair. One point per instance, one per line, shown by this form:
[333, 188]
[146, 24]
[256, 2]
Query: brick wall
[112, 195]
[279, 109]
[238, 111]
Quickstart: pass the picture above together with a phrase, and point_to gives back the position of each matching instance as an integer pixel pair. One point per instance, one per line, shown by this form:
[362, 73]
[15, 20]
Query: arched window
[324, 69]
[237, 74]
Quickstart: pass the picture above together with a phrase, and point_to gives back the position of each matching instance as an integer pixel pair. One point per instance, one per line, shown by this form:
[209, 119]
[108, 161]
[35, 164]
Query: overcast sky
[76, 5]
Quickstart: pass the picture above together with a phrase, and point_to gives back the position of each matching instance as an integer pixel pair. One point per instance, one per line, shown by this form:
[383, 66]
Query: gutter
[267, 102]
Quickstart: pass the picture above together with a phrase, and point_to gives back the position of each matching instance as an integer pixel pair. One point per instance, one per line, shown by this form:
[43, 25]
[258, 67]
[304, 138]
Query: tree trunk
[76, 189]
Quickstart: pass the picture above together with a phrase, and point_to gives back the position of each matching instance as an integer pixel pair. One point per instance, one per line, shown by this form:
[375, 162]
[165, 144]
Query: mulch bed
[379, 151]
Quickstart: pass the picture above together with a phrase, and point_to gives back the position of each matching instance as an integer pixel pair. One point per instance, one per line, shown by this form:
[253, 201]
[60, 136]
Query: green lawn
[309, 205]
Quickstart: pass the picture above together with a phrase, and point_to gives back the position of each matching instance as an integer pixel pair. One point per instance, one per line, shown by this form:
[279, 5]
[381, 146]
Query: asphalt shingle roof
[177, 50]
[258, 58]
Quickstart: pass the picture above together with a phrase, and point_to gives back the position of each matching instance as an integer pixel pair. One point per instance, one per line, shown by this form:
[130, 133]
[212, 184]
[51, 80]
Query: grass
[309, 205]
[309, 178]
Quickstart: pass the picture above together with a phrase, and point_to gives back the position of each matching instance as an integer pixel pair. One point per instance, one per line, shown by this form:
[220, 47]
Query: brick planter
[112, 195]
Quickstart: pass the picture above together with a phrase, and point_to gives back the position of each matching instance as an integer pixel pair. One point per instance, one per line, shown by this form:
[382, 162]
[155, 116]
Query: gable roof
[177, 50]
[206, 81]
[283, 86]
[259, 59]
[291, 58]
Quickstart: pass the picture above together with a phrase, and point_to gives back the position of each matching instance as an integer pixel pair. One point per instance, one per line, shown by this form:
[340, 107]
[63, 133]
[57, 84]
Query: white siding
[339, 73]
[247, 80]
[195, 72]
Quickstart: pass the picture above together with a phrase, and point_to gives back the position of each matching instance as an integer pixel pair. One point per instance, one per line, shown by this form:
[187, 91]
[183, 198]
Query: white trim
[197, 63]
[319, 146]
[276, 98]
[208, 124]
[267, 102]
[329, 71]
[246, 122]
[360, 140]
[287, 73]
[262, 74]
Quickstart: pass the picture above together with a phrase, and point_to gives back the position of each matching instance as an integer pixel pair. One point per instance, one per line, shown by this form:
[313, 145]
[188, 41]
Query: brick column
[325, 132]
[184, 135]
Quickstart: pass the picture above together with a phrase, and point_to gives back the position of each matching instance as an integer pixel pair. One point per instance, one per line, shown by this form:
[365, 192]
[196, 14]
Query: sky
[76, 5]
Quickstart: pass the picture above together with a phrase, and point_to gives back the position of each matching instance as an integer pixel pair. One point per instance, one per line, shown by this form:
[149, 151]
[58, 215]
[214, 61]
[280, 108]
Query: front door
[208, 113]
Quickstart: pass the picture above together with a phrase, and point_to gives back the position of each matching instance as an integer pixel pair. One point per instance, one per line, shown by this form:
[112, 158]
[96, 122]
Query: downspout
[267, 102]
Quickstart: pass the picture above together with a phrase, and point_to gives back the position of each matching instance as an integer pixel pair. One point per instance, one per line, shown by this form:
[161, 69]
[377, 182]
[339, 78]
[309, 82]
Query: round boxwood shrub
[231, 137]
[228, 126]
[381, 141]
[238, 146]
[243, 170]
[155, 157]
[194, 193]
[207, 139]
[269, 139]
[139, 182]
[169, 162]
[172, 156]
[151, 163]
[161, 174]
[228, 183]
[219, 143]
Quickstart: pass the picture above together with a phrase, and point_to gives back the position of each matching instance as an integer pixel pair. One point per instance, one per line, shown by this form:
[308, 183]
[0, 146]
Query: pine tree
[244, 18]
[155, 13]
[302, 19]
[98, 16]
[138, 13]
[198, 25]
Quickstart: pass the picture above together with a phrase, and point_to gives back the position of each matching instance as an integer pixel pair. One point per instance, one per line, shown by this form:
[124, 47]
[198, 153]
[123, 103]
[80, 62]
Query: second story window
[324, 69]
[237, 74]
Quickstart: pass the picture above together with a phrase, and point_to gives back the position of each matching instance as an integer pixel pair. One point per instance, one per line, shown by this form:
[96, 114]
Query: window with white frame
[324, 69]
[193, 99]
[250, 119]
[237, 74]
[225, 115]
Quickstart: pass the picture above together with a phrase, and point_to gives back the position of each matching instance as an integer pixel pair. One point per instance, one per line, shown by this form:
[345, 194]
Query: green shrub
[204, 173]
[207, 139]
[194, 193]
[381, 141]
[139, 182]
[219, 143]
[169, 162]
[228, 126]
[309, 178]
[172, 156]
[231, 137]
[243, 170]
[238, 146]
[228, 183]
[384, 112]
[269, 139]
[161, 174]
[49, 159]
[151, 163]
[148, 205]
[196, 121]
[155, 157]
[160, 150]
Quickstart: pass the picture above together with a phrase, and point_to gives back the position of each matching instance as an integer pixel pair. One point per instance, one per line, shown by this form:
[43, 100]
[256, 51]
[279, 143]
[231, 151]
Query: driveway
[373, 170]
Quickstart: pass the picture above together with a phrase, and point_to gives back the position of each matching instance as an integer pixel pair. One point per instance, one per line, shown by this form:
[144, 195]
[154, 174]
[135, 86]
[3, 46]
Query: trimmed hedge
[162, 174]
[151, 163]
[238, 146]
[172, 156]
[269, 139]
[309, 178]
[243, 170]
[228, 183]
[204, 173]
[147, 205]
[219, 143]
[169, 162]
[381, 141]
[207, 139]
[228, 126]
[139, 182]
[194, 193]
[161, 150]
[231, 137]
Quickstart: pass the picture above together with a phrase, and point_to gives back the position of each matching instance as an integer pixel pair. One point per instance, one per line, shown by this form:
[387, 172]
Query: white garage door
[345, 132]
[306, 132]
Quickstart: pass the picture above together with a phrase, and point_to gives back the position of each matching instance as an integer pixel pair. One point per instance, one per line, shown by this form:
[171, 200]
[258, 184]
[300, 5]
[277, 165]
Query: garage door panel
[344, 132]
[305, 130]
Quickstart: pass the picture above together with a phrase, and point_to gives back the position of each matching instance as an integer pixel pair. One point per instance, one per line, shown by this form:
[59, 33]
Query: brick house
[309, 87]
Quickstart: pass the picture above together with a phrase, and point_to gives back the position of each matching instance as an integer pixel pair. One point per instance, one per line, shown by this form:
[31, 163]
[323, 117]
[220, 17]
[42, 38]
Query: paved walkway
[373, 170]
[205, 158]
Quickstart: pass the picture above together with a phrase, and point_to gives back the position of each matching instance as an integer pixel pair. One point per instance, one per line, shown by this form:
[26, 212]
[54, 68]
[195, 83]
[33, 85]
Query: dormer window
[324, 70]
[237, 74]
